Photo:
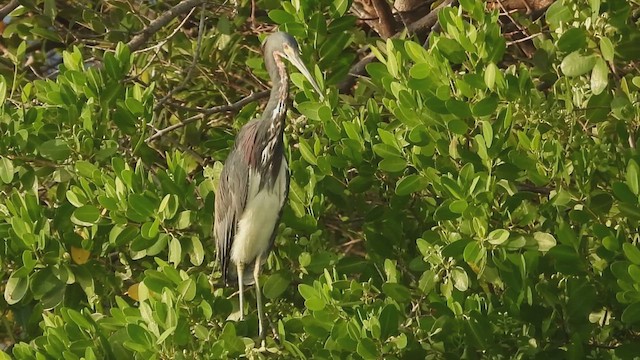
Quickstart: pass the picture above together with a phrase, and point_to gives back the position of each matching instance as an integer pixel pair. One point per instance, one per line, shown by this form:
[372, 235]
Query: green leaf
[386, 151]
[474, 253]
[631, 314]
[558, 13]
[632, 177]
[134, 106]
[86, 169]
[306, 152]
[485, 107]
[277, 284]
[139, 335]
[490, 75]
[149, 230]
[86, 215]
[142, 205]
[416, 52]
[3, 90]
[452, 186]
[458, 206]
[419, 71]
[281, 16]
[398, 292]
[393, 164]
[187, 289]
[78, 319]
[54, 149]
[458, 126]
[196, 253]
[622, 192]
[367, 349]
[487, 133]
[17, 286]
[497, 237]
[6, 170]
[572, 40]
[460, 278]
[47, 288]
[629, 210]
[339, 7]
[576, 64]
[410, 184]
[545, 241]
[389, 319]
[313, 301]
[599, 76]
[175, 251]
[419, 135]
[631, 252]
[606, 49]
[72, 60]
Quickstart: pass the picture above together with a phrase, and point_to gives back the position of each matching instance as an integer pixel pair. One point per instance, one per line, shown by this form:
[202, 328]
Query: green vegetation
[462, 200]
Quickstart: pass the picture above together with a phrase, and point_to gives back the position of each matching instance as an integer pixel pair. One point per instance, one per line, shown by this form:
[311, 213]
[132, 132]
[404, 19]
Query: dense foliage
[463, 200]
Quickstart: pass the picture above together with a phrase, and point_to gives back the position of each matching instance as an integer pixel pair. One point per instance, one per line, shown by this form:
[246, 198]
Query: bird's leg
[256, 275]
[240, 269]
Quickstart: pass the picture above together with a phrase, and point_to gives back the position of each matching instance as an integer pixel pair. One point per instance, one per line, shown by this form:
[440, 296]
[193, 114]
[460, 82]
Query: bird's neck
[276, 109]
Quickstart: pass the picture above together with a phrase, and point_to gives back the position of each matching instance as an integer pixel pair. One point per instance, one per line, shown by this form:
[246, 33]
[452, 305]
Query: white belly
[259, 218]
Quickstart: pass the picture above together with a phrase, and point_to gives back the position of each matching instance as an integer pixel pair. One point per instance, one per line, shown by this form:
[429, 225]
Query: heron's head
[283, 45]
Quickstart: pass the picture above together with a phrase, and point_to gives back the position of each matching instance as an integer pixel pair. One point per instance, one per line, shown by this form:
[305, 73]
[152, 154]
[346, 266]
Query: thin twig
[194, 61]
[157, 24]
[508, 14]
[173, 33]
[509, 43]
[217, 109]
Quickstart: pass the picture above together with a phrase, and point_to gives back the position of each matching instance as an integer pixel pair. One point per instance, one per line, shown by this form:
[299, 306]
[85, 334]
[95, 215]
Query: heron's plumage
[238, 190]
[231, 198]
[254, 183]
[258, 222]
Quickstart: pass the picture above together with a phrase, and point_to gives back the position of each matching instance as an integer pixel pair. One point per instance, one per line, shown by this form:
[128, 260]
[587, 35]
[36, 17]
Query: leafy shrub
[460, 202]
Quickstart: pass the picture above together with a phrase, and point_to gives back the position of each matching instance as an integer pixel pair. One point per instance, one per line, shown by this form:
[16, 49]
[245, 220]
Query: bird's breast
[259, 219]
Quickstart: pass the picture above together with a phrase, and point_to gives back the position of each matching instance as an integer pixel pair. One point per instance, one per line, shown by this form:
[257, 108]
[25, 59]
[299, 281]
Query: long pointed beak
[297, 62]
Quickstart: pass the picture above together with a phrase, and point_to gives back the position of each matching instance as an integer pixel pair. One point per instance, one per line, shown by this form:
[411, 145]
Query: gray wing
[231, 196]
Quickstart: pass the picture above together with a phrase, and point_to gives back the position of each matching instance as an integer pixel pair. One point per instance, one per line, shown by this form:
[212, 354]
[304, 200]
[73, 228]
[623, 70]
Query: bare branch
[173, 33]
[429, 20]
[194, 62]
[5, 10]
[356, 71]
[157, 24]
[386, 21]
[217, 109]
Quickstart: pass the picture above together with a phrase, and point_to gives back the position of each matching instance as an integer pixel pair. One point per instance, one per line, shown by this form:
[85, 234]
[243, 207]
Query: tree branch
[357, 70]
[386, 21]
[153, 27]
[5, 10]
[429, 20]
[194, 61]
[216, 109]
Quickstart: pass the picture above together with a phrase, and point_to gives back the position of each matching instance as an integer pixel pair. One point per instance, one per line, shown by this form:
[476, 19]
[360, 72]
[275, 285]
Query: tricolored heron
[254, 183]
